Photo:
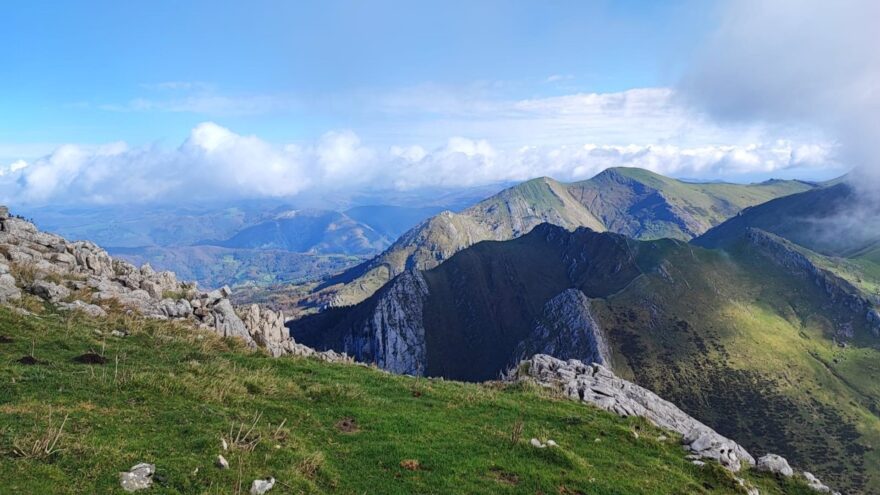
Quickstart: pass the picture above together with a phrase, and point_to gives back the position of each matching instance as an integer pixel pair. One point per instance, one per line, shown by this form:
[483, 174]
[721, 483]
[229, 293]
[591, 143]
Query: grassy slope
[819, 220]
[176, 393]
[645, 205]
[738, 344]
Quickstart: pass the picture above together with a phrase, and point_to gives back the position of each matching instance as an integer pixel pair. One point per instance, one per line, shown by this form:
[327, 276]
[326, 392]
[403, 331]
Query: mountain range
[630, 201]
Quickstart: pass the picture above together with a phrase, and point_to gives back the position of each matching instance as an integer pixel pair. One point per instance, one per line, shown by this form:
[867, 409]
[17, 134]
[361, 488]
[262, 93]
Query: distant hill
[391, 221]
[749, 340]
[833, 226]
[631, 201]
[645, 205]
[831, 220]
[308, 231]
[214, 266]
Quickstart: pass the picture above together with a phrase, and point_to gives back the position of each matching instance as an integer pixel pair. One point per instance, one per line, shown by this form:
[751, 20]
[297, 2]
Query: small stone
[537, 443]
[662, 438]
[698, 463]
[223, 444]
[221, 462]
[551, 443]
[119, 333]
[259, 487]
[139, 477]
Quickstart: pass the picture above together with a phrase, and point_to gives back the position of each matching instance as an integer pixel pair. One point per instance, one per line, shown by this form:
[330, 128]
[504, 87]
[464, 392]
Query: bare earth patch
[347, 425]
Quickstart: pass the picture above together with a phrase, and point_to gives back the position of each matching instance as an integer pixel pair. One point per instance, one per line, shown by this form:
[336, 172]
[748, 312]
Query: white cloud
[216, 163]
[803, 61]
[208, 104]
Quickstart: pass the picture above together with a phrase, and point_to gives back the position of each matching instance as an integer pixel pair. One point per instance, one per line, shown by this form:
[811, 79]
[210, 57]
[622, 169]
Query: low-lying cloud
[797, 61]
[215, 163]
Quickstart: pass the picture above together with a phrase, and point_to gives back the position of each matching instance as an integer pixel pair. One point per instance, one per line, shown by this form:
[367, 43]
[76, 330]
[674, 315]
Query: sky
[115, 102]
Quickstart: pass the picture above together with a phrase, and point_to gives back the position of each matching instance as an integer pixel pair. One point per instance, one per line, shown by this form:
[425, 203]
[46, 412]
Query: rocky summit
[80, 276]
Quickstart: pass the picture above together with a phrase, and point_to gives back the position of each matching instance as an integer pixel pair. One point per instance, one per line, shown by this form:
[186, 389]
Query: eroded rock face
[567, 328]
[394, 336]
[265, 326]
[80, 276]
[8, 290]
[49, 291]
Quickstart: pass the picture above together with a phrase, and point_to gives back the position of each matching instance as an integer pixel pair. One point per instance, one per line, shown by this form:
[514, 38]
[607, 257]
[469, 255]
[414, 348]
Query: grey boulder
[772, 463]
[139, 477]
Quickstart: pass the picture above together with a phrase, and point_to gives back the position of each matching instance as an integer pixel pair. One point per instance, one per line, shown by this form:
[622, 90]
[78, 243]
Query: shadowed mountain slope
[736, 338]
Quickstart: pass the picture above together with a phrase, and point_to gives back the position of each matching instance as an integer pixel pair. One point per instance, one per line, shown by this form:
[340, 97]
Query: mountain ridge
[631, 201]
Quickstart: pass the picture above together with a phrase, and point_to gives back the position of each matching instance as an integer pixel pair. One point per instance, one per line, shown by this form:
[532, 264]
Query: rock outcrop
[83, 277]
[596, 385]
[393, 336]
[566, 328]
[139, 477]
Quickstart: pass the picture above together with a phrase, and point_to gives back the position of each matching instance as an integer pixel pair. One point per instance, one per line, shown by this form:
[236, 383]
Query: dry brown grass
[25, 273]
[245, 437]
[516, 431]
[311, 465]
[42, 445]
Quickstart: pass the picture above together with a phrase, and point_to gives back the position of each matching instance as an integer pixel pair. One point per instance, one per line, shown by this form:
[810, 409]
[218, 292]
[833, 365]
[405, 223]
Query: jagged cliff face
[566, 328]
[80, 276]
[393, 337]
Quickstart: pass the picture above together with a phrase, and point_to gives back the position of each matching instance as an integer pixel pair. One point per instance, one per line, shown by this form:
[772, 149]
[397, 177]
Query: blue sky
[465, 87]
[66, 63]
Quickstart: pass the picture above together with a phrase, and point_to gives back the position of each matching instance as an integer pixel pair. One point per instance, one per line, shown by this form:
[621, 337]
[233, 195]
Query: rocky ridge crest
[80, 276]
[840, 291]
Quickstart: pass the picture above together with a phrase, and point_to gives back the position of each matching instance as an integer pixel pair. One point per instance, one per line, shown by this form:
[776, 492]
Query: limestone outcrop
[566, 328]
[393, 336]
[80, 276]
[596, 385]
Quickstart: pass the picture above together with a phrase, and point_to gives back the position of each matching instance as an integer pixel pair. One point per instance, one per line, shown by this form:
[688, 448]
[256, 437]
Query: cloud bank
[797, 61]
[216, 163]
